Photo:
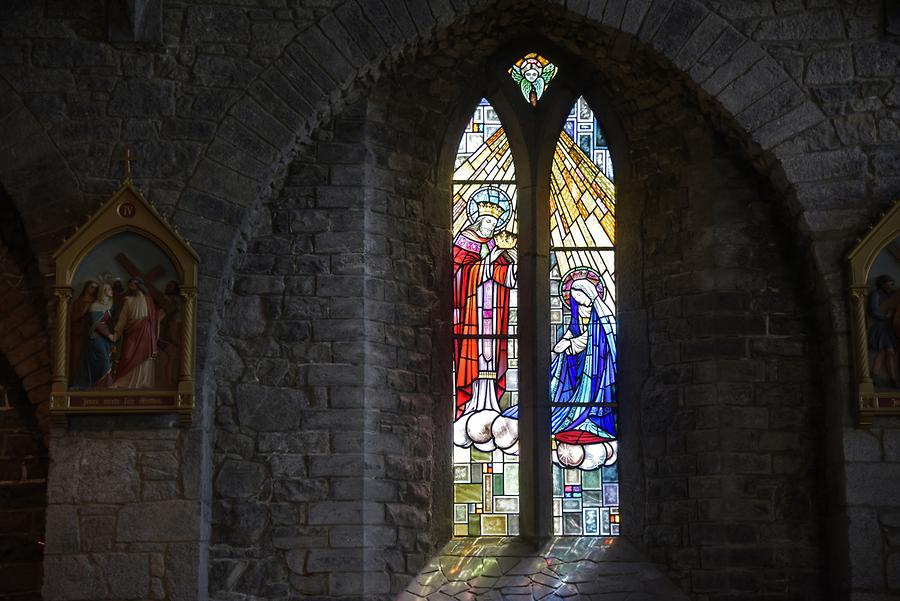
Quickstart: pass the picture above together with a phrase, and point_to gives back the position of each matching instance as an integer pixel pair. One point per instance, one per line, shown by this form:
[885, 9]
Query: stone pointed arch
[33, 174]
[748, 92]
[752, 95]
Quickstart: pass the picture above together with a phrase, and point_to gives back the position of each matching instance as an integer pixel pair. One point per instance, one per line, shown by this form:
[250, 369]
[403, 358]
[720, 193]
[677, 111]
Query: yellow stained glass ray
[492, 160]
[581, 198]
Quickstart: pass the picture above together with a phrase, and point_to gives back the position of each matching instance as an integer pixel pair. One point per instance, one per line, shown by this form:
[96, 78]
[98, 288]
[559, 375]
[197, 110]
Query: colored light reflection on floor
[574, 567]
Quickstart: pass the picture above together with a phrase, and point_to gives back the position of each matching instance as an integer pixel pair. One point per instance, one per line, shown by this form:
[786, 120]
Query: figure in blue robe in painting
[583, 371]
[883, 340]
[95, 369]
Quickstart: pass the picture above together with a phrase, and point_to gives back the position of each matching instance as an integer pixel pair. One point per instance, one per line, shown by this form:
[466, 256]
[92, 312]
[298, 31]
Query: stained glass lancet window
[485, 345]
[532, 73]
[583, 331]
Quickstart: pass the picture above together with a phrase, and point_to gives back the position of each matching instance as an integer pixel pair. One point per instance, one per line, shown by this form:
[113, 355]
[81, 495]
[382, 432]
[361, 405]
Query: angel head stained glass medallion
[583, 331]
[485, 347]
[532, 73]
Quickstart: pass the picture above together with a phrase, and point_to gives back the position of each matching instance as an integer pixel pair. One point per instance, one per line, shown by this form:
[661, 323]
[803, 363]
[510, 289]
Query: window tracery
[581, 399]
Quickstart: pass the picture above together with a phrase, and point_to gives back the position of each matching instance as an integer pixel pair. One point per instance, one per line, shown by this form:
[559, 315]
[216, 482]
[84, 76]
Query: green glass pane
[572, 524]
[571, 505]
[591, 480]
[474, 524]
[481, 456]
[592, 498]
[459, 514]
[511, 479]
[506, 504]
[467, 493]
[557, 481]
[498, 484]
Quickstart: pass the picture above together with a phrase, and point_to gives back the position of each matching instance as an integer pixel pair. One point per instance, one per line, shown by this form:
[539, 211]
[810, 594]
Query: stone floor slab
[560, 569]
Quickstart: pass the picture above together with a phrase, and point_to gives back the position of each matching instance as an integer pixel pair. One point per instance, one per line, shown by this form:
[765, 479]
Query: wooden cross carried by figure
[149, 277]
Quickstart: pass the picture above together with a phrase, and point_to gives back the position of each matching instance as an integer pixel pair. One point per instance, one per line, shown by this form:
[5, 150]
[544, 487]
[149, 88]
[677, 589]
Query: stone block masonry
[297, 145]
[123, 510]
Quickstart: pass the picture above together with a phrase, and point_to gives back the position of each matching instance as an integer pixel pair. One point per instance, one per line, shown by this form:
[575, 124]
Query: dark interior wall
[731, 423]
[23, 413]
[289, 446]
[809, 89]
[23, 492]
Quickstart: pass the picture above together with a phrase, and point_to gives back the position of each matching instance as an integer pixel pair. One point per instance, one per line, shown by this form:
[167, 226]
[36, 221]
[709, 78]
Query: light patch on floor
[570, 568]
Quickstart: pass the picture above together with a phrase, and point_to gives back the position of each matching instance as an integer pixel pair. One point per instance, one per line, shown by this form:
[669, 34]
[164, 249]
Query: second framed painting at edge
[875, 318]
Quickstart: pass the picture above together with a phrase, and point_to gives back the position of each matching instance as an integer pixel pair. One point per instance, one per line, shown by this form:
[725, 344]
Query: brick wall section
[24, 340]
[23, 488]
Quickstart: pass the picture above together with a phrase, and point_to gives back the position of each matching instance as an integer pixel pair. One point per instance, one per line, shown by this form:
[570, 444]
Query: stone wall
[806, 93]
[323, 435]
[872, 467]
[290, 457]
[731, 427]
[123, 510]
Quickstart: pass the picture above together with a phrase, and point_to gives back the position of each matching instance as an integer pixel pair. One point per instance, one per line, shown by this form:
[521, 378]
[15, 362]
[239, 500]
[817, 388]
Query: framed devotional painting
[125, 337]
[875, 318]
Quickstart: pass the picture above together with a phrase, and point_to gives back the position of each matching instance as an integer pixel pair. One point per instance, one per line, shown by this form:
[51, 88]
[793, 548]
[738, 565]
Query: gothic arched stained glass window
[583, 330]
[582, 394]
[485, 349]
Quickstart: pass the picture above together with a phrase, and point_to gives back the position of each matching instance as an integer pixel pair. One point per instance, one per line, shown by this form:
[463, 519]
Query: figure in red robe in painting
[483, 275]
[138, 327]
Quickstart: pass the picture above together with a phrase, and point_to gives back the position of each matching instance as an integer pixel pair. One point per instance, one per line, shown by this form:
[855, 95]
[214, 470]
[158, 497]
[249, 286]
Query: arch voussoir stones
[33, 173]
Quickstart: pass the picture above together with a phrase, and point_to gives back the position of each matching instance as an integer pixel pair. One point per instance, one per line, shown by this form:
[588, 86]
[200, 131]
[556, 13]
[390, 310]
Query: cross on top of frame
[127, 157]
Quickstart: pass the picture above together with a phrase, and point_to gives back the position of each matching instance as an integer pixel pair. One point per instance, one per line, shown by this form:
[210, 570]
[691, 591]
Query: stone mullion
[536, 520]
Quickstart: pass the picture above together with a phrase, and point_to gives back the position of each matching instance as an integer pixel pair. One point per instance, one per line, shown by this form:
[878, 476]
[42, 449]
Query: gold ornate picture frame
[126, 326]
[875, 318]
